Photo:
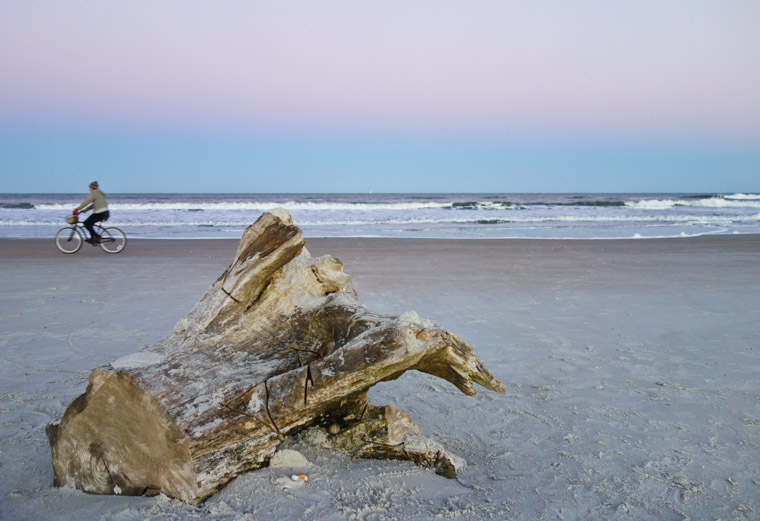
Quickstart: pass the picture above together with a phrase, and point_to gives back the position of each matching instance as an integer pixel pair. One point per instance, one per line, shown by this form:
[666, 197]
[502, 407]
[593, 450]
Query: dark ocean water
[469, 216]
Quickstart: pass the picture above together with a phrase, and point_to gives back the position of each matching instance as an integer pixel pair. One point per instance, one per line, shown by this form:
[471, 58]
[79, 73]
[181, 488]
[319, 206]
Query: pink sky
[425, 95]
[676, 67]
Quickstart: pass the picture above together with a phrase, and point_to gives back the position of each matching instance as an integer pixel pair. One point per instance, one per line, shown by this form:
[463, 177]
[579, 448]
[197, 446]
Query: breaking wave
[126, 221]
[254, 206]
[402, 215]
[729, 201]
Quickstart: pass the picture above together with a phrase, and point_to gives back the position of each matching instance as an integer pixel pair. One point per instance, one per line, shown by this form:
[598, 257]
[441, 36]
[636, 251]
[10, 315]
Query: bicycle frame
[80, 225]
[112, 239]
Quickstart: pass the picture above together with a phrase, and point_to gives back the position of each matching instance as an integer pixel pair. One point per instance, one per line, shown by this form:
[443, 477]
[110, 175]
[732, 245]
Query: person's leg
[90, 223]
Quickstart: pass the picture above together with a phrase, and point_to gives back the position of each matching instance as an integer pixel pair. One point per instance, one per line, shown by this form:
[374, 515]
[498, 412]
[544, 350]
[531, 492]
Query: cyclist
[96, 202]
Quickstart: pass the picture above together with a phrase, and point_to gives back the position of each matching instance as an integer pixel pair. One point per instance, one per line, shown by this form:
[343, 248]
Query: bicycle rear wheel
[68, 240]
[112, 240]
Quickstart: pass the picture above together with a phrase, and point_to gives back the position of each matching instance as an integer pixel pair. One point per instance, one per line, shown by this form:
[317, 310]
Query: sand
[632, 371]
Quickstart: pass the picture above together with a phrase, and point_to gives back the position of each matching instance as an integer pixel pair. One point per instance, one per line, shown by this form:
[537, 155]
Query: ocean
[446, 216]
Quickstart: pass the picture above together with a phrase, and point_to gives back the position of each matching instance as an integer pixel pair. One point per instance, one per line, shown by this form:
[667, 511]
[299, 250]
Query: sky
[391, 96]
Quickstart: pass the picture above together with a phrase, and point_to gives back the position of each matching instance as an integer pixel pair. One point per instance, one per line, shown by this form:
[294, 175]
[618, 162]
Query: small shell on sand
[333, 428]
[299, 477]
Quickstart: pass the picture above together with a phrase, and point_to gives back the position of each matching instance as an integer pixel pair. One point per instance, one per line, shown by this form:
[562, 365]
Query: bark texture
[279, 343]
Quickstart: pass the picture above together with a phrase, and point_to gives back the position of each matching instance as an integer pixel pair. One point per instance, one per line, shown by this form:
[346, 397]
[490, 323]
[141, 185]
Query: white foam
[373, 220]
[743, 196]
[181, 216]
[652, 204]
[738, 201]
[253, 206]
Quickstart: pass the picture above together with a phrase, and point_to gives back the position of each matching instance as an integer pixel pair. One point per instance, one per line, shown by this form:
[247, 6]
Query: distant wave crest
[126, 221]
[733, 201]
[255, 206]
[402, 215]
[713, 201]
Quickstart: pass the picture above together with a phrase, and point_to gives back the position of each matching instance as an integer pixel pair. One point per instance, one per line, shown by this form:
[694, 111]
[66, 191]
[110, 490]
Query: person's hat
[94, 184]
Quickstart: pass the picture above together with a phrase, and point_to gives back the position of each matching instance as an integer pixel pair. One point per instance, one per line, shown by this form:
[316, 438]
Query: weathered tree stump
[279, 343]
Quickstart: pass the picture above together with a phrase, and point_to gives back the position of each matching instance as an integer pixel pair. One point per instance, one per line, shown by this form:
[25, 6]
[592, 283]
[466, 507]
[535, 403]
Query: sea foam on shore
[473, 216]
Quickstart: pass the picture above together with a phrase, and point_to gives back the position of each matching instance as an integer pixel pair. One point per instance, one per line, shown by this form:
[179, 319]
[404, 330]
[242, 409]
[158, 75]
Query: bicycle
[69, 239]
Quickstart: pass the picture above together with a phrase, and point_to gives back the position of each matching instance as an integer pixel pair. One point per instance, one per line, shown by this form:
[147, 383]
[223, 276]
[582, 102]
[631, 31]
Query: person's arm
[86, 204]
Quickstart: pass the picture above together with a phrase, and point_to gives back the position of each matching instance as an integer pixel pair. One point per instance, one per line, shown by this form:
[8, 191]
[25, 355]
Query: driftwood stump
[279, 343]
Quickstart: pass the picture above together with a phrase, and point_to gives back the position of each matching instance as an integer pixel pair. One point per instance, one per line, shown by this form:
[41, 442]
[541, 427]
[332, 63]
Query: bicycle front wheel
[68, 240]
[113, 240]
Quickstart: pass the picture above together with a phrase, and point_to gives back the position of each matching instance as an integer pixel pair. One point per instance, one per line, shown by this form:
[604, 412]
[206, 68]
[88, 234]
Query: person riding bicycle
[96, 202]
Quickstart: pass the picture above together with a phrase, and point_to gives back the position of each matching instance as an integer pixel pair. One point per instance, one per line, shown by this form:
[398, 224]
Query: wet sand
[632, 373]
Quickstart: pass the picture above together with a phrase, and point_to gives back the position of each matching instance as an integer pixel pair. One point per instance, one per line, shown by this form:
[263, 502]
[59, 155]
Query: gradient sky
[391, 96]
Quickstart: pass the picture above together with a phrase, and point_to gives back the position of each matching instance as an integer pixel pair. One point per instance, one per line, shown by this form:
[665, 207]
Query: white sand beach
[632, 370]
